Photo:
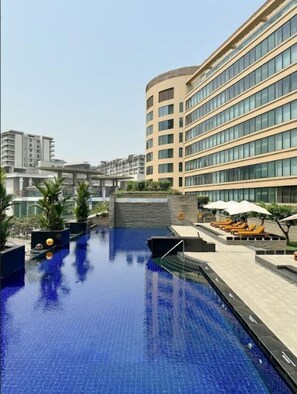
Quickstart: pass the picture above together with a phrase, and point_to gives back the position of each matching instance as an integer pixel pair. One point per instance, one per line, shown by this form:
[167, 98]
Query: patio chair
[239, 226]
[217, 224]
[257, 232]
[251, 227]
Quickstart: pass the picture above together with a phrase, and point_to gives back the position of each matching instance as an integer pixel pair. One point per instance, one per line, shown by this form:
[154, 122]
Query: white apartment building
[20, 150]
[132, 166]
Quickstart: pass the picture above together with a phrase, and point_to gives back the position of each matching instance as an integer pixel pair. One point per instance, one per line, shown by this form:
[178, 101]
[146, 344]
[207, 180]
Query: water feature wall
[152, 211]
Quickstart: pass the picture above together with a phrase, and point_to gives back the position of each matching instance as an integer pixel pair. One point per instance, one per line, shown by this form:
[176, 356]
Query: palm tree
[5, 203]
[82, 201]
[52, 205]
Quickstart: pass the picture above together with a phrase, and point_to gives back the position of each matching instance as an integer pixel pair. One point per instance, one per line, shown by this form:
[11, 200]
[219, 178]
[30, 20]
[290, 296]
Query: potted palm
[52, 206]
[81, 210]
[12, 258]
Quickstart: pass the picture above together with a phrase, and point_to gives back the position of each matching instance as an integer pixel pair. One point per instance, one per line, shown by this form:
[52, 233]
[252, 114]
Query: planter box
[61, 238]
[79, 227]
[12, 260]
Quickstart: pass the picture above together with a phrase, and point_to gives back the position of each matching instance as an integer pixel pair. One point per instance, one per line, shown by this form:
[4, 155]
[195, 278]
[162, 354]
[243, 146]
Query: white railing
[180, 242]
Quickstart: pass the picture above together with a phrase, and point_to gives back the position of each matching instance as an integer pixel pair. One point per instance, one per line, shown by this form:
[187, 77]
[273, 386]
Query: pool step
[183, 269]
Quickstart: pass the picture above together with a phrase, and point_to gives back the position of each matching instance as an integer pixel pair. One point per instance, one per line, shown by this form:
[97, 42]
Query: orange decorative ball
[49, 255]
[49, 242]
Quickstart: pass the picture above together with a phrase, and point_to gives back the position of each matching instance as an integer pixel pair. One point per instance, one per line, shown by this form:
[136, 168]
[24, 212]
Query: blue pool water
[101, 317]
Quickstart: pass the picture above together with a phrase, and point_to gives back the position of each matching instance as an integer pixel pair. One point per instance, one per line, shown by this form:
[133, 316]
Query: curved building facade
[164, 126]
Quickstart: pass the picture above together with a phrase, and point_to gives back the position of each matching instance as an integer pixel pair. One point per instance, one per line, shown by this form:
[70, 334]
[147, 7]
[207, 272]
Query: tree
[279, 212]
[5, 204]
[202, 200]
[82, 201]
[52, 205]
[165, 184]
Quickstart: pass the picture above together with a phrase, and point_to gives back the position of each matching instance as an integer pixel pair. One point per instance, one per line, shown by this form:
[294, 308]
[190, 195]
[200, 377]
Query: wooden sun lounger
[252, 227]
[259, 232]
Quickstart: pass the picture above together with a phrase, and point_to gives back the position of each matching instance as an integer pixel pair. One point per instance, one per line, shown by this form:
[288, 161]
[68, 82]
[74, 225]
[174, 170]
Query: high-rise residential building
[240, 131]
[164, 126]
[133, 165]
[21, 150]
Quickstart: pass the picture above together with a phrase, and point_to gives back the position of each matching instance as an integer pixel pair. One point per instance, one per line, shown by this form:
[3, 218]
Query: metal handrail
[183, 242]
[171, 232]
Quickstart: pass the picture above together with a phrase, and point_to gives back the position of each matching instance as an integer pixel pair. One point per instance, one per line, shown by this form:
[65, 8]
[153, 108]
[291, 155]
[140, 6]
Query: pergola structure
[92, 176]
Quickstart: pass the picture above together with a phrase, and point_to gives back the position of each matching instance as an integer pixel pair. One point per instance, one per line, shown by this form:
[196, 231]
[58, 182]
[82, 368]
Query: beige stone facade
[240, 114]
[164, 126]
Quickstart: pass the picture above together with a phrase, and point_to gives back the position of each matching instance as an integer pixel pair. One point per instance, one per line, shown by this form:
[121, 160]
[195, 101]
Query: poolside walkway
[271, 297]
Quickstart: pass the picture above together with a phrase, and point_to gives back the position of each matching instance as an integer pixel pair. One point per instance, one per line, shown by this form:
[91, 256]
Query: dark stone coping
[280, 356]
[266, 251]
[268, 237]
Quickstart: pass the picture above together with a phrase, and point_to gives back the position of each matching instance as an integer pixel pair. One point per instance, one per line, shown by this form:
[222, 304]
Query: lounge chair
[217, 224]
[238, 227]
[251, 227]
[257, 232]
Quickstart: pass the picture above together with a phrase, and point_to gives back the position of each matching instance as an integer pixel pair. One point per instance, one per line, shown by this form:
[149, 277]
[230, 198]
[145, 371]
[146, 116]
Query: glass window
[165, 168]
[286, 57]
[286, 140]
[149, 102]
[279, 141]
[294, 109]
[278, 63]
[180, 152]
[264, 145]
[149, 143]
[165, 153]
[286, 31]
[149, 117]
[166, 110]
[286, 85]
[271, 144]
[181, 107]
[264, 71]
[293, 82]
[165, 139]
[166, 94]
[286, 167]
[271, 170]
[258, 147]
[294, 25]
[180, 137]
[278, 168]
[286, 112]
[166, 124]
[294, 137]
[294, 53]
[294, 166]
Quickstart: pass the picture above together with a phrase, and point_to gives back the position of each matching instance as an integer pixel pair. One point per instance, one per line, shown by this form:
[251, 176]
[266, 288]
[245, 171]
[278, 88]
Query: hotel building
[240, 121]
[164, 126]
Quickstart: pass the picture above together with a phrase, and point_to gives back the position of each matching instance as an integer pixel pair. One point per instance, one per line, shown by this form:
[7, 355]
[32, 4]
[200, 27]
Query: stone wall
[152, 211]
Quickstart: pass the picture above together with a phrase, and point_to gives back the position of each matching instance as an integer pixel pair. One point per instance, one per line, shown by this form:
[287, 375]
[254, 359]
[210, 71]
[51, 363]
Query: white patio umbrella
[244, 207]
[292, 217]
[215, 205]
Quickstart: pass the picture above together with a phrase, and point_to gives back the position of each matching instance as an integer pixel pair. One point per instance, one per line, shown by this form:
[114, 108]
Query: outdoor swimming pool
[101, 317]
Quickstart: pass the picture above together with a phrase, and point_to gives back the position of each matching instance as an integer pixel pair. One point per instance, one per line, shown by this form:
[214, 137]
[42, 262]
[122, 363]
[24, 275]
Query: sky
[76, 70]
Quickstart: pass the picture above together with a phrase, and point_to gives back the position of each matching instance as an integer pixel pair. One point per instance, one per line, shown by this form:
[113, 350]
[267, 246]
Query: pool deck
[272, 298]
